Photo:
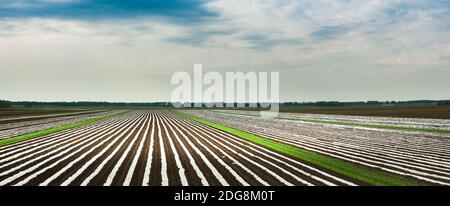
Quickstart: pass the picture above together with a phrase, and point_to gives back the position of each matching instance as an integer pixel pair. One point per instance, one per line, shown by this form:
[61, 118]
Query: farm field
[429, 112]
[29, 112]
[13, 127]
[171, 148]
[152, 148]
[419, 155]
[350, 120]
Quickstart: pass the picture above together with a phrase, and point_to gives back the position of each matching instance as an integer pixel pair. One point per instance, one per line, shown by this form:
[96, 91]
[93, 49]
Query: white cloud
[126, 59]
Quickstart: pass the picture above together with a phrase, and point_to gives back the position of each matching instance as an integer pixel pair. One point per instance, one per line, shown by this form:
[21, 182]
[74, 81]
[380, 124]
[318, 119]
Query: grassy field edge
[41, 133]
[357, 172]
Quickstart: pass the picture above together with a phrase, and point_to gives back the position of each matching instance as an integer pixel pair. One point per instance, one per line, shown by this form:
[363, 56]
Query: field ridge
[357, 172]
[374, 126]
[53, 130]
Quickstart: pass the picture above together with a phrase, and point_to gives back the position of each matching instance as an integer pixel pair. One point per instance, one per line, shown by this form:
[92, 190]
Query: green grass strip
[356, 172]
[375, 126]
[41, 133]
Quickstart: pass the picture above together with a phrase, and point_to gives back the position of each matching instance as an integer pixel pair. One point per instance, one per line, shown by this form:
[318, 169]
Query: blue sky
[178, 10]
[117, 50]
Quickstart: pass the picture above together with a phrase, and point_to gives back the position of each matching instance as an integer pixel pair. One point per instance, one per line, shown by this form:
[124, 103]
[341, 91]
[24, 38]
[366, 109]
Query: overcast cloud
[111, 50]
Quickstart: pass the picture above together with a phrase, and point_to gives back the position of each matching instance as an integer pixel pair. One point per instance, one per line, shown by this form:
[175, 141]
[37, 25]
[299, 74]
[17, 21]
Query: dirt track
[152, 148]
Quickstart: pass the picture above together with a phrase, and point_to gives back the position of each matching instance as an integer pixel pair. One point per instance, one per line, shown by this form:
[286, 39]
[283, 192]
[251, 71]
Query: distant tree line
[35, 104]
[365, 103]
[5, 104]
[87, 104]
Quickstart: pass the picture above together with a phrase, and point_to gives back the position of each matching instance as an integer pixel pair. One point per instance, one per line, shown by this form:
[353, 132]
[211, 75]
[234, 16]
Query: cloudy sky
[117, 50]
